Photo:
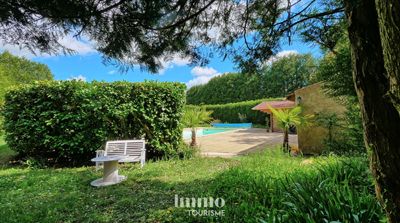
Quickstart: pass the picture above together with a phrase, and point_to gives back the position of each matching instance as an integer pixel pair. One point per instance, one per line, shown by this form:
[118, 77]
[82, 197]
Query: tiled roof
[275, 104]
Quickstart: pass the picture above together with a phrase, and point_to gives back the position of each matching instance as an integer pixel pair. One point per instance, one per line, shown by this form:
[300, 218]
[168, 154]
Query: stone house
[313, 101]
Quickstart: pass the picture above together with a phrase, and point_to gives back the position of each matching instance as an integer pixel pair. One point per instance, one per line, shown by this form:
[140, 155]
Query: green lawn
[266, 187]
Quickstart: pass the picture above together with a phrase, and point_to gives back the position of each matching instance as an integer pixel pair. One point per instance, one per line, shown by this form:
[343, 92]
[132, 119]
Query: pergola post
[265, 107]
[271, 121]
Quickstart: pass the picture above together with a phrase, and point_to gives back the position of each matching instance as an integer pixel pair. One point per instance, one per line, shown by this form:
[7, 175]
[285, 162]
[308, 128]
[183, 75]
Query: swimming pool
[232, 125]
[187, 133]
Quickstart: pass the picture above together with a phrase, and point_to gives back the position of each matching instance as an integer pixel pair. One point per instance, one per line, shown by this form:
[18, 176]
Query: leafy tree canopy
[17, 70]
[288, 73]
[277, 79]
[336, 71]
[142, 32]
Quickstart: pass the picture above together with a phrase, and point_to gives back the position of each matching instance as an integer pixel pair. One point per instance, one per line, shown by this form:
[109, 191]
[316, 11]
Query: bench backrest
[125, 147]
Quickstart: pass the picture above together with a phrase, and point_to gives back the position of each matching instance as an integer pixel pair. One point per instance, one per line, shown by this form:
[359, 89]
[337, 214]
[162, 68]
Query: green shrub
[65, 122]
[345, 133]
[354, 132]
[273, 188]
[186, 151]
[238, 112]
[340, 192]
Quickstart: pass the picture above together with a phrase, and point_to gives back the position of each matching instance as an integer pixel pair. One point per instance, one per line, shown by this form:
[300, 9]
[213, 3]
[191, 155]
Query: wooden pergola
[263, 107]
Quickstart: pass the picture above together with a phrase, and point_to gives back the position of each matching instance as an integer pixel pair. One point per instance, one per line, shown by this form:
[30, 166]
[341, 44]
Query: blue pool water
[231, 125]
[213, 131]
[187, 133]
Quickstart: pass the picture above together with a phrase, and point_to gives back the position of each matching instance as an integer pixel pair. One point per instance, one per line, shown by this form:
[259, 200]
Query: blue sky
[87, 64]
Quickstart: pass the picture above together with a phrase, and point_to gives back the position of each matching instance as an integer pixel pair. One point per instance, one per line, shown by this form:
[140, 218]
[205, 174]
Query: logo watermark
[201, 206]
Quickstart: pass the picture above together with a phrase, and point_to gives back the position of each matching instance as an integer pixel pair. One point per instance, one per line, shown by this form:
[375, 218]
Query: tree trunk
[286, 140]
[381, 120]
[389, 25]
[193, 143]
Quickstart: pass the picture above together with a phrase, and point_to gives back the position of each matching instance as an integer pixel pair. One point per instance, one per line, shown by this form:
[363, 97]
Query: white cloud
[16, 50]
[78, 78]
[198, 81]
[284, 53]
[202, 75]
[112, 72]
[179, 61]
[170, 61]
[81, 47]
[203, 71]
[283, 4]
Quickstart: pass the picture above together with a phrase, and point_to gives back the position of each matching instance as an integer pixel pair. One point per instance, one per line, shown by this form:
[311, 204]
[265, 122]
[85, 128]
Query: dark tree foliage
[130, 32]
[126, 32]
[325, 31]
[336, 73]
[277, 79]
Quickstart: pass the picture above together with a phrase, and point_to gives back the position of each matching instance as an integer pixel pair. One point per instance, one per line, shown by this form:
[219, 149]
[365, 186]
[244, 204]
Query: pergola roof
[284, 104]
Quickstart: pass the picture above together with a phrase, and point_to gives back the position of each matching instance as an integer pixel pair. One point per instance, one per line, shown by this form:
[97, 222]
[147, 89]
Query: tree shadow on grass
[65, 195]
[6, 154]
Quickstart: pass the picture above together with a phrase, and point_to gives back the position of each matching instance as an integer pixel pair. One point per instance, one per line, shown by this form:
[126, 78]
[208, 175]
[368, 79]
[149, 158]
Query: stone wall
[314, 101]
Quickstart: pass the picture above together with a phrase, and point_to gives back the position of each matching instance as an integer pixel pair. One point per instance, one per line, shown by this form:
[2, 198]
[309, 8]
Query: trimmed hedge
[238, 112]
[227, 88]
[65, 122]
[277, 79]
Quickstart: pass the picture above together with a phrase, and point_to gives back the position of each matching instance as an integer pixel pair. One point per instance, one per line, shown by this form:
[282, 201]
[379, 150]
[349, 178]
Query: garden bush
[238, 112]
[277, 188]
[345, 133]
[65, 122]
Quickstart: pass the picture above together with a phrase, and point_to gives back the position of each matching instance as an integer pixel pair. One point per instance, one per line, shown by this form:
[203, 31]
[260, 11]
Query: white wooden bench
[132, 150]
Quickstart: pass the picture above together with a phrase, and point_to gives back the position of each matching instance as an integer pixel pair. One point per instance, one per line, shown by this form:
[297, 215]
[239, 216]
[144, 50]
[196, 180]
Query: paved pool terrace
[240, 142]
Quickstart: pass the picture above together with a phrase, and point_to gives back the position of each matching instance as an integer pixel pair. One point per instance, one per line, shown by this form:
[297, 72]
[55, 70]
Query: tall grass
[340, 192]
[275, 188]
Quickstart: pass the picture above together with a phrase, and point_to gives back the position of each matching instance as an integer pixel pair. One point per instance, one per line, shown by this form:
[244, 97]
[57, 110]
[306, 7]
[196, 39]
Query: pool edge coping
[236, 129]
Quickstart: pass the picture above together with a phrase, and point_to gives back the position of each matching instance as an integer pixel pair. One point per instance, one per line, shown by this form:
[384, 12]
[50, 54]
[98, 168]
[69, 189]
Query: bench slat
[134, 149]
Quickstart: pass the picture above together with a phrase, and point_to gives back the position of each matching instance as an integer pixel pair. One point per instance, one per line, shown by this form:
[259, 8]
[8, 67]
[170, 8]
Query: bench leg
[110, 175]
[110, 171]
